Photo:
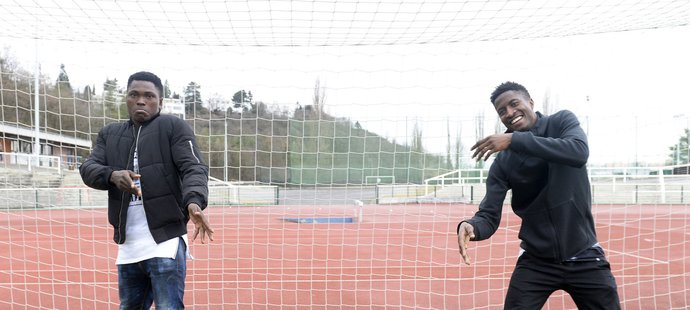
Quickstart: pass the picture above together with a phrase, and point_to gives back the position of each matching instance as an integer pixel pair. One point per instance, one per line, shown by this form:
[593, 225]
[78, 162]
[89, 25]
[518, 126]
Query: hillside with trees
[242, 140]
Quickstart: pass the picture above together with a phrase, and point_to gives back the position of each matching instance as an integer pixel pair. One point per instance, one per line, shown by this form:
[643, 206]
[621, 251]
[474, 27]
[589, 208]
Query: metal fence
[619, 185]
[84, 197]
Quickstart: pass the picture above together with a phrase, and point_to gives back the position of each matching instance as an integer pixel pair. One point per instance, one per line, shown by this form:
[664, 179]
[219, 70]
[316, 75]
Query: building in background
[57, 151]
[173, 106]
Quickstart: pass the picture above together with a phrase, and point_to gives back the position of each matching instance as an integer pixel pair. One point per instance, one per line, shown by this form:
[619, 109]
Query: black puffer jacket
[546, 169]
[173, 175]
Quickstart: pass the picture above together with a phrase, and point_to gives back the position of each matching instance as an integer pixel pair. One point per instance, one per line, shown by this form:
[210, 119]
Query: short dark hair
[508, 86]
[147, 76]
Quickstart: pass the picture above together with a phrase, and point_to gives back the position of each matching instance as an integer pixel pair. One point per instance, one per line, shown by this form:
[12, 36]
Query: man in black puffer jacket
[543, 161]
[156, 182]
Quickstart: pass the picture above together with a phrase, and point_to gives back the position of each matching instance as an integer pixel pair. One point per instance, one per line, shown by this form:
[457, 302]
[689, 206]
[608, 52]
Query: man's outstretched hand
[490, 145]
[465, 234]
[201, 225]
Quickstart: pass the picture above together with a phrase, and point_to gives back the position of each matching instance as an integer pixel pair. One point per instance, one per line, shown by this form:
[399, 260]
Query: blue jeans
[159, 280]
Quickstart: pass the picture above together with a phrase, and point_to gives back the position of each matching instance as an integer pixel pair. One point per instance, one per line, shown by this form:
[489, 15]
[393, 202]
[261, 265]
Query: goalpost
[379, 179]
[310, 110]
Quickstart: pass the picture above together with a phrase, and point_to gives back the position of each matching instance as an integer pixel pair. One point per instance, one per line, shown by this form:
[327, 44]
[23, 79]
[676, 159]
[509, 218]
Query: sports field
[389, 257]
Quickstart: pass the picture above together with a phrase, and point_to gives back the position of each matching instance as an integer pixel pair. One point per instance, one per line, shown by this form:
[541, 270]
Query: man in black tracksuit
[542, 160]
[156, 182]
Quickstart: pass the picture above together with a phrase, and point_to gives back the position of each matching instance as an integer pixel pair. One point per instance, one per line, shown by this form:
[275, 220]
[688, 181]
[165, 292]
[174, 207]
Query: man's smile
[516, 119]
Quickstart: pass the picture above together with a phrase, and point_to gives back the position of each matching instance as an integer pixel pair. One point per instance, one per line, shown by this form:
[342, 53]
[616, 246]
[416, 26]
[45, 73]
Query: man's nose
[510, 111]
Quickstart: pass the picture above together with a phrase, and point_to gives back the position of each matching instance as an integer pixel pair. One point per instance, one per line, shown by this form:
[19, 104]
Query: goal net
[338, 138]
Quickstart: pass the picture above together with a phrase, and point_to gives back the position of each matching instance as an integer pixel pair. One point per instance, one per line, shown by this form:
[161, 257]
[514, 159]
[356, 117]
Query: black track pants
[590, 283]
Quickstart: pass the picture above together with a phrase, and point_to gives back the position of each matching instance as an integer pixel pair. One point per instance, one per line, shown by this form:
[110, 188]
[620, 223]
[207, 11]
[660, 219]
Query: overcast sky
[634, 80]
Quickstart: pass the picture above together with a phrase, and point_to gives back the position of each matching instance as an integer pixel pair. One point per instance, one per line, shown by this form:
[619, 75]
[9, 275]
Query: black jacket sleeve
[190, 165]
[488, 218]
[565, 144]
[95, 171]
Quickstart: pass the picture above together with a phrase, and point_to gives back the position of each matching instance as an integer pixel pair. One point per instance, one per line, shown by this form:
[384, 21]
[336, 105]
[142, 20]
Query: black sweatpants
[590, 283]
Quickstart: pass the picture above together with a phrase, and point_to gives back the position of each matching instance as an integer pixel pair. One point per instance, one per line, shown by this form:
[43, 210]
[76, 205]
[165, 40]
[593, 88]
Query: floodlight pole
[687, 120]
[225, 147]
[37, 118]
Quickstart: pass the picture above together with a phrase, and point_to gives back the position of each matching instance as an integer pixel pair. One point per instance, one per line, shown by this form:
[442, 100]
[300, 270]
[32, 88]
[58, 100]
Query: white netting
[339, 183]
[328, 23]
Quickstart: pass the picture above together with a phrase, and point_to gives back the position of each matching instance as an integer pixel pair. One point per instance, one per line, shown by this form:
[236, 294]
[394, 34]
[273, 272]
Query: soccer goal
[379, 179]
[338, 137]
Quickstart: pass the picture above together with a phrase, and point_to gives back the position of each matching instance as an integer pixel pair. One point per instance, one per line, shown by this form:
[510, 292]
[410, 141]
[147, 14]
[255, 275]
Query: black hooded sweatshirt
[545, 168]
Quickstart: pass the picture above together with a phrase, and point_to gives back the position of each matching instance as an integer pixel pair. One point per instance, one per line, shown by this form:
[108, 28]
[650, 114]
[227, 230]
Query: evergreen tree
[111, 98]
[166, 90]
[63, 80]
[192, 98]
[88, 93]
[680, 151]
[192, 95]
[243, 101]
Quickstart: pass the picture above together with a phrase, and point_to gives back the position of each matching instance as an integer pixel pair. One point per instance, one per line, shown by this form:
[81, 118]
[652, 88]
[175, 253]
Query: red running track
[397, 257]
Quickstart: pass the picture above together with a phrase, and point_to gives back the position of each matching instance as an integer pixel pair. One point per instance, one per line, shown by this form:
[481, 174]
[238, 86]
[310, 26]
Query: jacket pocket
[162, 211]
[573, 227]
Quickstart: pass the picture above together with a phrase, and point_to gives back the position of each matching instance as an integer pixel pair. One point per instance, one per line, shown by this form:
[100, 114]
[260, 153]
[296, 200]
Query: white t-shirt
[139, 243]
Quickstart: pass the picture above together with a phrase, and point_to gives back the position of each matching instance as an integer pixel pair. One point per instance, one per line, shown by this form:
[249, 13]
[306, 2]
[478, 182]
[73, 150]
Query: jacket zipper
[557, 250]
[124, 195]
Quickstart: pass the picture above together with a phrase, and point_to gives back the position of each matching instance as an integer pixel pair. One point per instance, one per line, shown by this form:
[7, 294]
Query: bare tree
[479, 133]
[458, 148]
[417, 140]
[549, 105]
[498, 126]
[449, 160]
[454, 149]
[479, 126]
[319, 99]
[216, 102]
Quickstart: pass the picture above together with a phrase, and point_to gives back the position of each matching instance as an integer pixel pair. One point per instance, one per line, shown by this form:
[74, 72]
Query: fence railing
[609, 186]
[84, 197]
[602, 193]
[619, 185]
[31, 161]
